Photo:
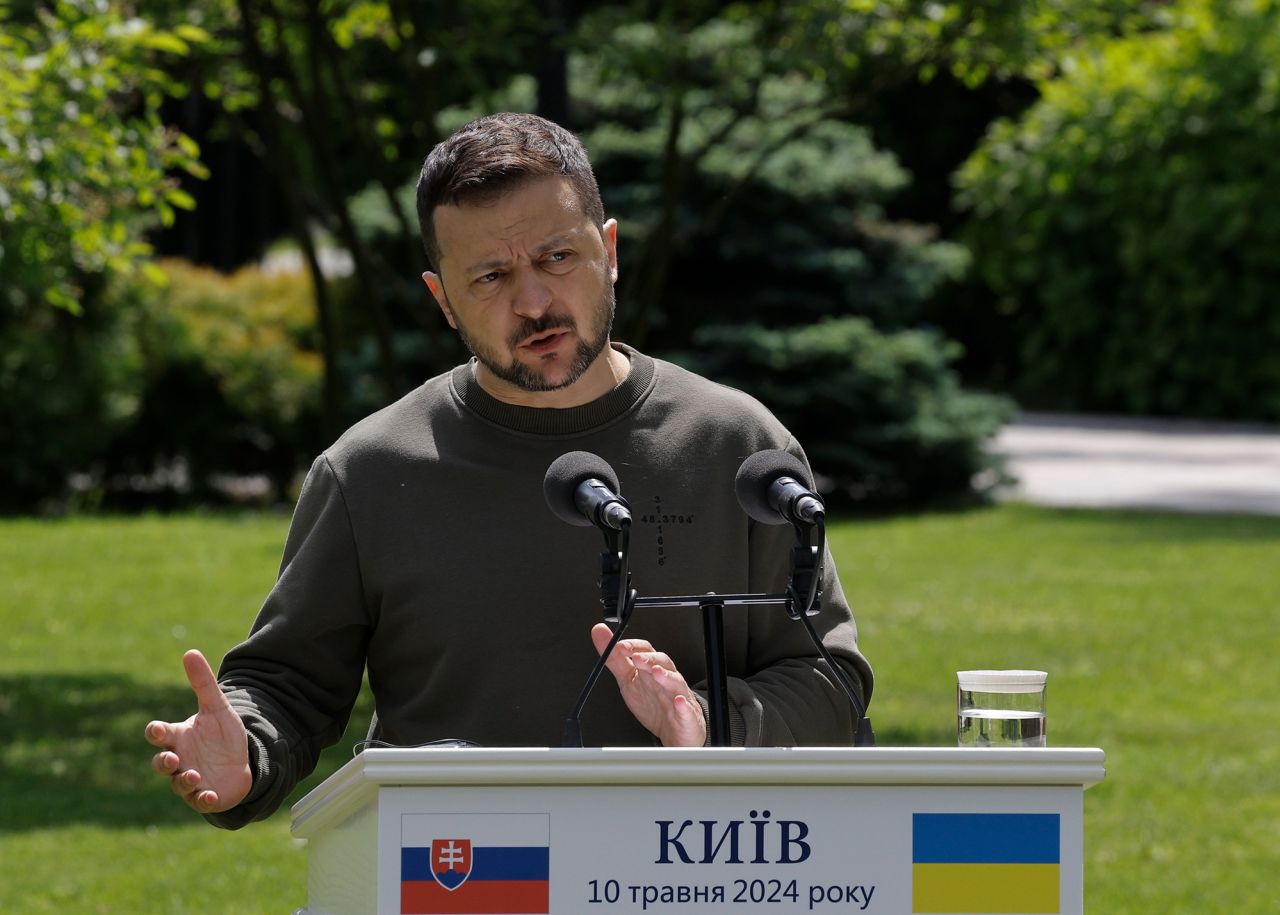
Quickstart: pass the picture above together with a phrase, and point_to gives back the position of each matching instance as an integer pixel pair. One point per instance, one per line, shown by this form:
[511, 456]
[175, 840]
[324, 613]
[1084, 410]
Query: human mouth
[544, 342]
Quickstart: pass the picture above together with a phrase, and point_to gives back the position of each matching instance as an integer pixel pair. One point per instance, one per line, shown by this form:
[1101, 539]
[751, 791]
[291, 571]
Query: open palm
[206, 757]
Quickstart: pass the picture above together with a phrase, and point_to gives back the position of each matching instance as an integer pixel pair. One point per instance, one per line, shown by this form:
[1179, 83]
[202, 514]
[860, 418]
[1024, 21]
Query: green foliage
[231, 376]
[85, 162]
[252, 331]
[68, 385]
[158, 387]
[880, 414]
[86, 166]
[1129, 222]
[726, 136]
[784, 222]
[974, 40]
[739, 183]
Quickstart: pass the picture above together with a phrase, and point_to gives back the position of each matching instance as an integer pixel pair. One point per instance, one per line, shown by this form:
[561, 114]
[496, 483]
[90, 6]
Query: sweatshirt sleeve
[295, 679]
[788, 696]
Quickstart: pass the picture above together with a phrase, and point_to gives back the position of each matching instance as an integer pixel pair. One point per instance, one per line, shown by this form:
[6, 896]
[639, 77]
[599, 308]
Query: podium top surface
[358, 781]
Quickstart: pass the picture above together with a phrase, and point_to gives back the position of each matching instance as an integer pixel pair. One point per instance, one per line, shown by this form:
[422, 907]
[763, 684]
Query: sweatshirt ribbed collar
[551, 421]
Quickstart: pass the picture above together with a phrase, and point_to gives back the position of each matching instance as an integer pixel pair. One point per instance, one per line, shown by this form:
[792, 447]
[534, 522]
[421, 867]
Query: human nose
[532, 297]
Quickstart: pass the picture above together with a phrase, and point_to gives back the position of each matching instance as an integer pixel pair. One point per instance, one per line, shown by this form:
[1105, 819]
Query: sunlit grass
[1158, 632]
[1159, 635]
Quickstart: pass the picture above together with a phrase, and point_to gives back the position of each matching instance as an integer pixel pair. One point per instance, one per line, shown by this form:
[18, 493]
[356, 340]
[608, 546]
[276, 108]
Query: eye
[557, 258]
[487, 278]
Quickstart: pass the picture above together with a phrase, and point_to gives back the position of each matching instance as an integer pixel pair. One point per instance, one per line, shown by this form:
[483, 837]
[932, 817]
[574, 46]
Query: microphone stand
[618, 599]
[801, 601]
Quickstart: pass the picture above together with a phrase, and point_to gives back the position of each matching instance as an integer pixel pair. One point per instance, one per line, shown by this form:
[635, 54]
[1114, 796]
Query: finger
[618, 662]
[632, 646]
[687, 707]
[200, 676]
[165, 763]
[690, 725]
[600, 636]
[689, 712]
[670, 681]
[184, 783]
[204, 801]
[160, 734]
[654, 659]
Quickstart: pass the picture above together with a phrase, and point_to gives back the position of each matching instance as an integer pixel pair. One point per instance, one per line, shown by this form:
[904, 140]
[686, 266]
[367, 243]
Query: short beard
[530, 379]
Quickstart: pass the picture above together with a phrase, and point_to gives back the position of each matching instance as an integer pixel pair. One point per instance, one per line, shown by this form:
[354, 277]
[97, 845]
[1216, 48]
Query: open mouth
[544, 341]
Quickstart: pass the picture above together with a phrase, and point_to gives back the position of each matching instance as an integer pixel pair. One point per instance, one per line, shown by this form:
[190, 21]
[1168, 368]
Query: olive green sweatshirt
[422, 548]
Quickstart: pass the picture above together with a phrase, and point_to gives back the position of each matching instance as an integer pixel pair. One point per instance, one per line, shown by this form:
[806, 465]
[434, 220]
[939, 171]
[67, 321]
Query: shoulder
[717, 410]
[400, 431]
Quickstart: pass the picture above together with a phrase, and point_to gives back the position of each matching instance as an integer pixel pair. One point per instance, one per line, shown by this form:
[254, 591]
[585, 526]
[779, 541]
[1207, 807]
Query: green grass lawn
[1158, 631]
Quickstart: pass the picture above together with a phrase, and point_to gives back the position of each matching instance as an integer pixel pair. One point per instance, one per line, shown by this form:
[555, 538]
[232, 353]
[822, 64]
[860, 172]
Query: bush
[85, 163]
[153, 391]
[68, 385]
[881, 414]
[1129, 222]
[779, 222]
[232, 377]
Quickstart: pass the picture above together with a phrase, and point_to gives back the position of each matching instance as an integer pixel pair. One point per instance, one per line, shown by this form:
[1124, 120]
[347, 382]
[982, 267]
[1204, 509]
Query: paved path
[1173, 465]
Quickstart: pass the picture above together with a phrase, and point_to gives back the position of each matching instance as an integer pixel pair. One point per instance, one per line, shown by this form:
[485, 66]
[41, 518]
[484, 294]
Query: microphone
[771, 488]
[581, 489]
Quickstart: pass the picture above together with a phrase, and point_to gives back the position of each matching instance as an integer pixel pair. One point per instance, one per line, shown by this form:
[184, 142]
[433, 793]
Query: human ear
[436, 285]
[609, 233]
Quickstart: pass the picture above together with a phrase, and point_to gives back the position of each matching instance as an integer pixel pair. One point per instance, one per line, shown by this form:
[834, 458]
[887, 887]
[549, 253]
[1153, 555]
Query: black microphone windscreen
[566, 474]
[756, 475]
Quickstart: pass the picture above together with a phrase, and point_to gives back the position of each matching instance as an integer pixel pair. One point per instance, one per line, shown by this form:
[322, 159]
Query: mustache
[548, 322]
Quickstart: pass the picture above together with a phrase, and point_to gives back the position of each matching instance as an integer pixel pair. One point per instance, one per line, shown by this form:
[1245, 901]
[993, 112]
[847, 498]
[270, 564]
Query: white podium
[573, 831]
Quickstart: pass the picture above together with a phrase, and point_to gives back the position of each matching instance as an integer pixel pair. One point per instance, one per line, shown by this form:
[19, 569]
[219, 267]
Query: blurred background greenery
[890, 220]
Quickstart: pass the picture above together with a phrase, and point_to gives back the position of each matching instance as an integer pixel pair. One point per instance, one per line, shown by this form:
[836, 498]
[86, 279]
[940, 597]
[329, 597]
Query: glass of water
[1000, 708]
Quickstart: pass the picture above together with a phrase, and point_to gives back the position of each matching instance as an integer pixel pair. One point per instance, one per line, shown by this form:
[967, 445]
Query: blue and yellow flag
[985, 863]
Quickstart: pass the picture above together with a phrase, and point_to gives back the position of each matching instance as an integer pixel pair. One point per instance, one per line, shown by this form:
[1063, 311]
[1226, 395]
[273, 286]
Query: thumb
[200, 676]
[600, 636]
[618, 662]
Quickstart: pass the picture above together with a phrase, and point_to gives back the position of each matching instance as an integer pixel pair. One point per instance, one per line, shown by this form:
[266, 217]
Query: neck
[602, 376]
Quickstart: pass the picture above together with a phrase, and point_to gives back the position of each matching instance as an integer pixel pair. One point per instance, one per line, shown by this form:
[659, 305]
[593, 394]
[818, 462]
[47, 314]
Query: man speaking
[421, 547]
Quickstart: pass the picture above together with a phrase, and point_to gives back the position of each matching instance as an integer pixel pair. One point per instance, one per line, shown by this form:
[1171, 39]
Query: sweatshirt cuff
[244, 813]
[737, 724]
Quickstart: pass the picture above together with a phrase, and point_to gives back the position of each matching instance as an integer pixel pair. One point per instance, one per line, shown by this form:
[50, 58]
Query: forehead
[514, 221]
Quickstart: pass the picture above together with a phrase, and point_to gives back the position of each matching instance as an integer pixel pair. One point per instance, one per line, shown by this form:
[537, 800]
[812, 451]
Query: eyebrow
[558, 240]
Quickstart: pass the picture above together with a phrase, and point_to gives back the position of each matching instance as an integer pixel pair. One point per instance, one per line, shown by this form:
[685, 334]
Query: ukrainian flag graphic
[981, 863]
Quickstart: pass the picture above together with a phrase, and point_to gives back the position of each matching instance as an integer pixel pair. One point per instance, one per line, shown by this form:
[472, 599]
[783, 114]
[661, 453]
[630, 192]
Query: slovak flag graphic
[475, 864]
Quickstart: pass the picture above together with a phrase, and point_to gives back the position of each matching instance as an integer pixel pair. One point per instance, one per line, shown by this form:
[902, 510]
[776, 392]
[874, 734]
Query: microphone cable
[624, 607]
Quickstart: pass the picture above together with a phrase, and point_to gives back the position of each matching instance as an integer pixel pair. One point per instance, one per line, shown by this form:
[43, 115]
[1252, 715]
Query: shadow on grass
[72, 751]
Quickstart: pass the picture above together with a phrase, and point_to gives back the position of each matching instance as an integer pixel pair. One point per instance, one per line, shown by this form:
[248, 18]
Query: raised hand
[654, 691]
[206, 757]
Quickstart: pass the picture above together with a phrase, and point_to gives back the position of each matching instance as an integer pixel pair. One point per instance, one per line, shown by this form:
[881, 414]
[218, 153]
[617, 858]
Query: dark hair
[494, 154]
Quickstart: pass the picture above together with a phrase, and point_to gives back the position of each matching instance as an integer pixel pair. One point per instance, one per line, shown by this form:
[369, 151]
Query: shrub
[68, 385]
[232, 376]
[881, 414]
[156, 390]
[1129, 222]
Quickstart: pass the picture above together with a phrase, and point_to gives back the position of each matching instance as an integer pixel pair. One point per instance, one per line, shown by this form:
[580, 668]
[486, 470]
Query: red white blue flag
[475, 864]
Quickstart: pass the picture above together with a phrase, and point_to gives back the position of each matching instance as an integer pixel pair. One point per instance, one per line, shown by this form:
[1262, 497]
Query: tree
[335, 99]
[717, 95]
[1127, 222]
[86, 166]
[85, 163]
